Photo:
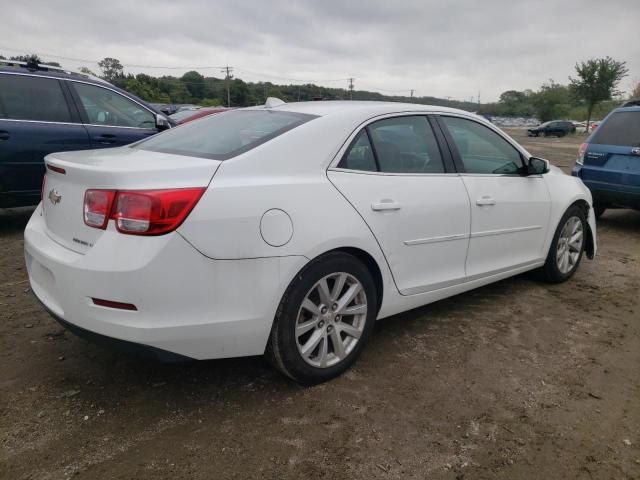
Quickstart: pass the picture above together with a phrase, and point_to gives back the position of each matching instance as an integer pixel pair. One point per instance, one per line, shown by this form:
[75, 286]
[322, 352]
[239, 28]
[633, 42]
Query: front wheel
[324, 319]
[567, 246]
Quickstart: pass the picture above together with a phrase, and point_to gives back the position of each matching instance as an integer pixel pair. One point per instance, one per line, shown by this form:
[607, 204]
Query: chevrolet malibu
[288, 229]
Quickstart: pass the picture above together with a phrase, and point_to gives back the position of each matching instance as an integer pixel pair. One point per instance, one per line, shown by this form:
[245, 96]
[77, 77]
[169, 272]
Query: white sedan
[288, 229]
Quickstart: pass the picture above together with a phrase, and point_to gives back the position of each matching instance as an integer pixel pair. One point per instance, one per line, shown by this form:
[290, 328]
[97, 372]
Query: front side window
[106, 107]
[226, 134]
[481, 149]
[32, 98]
[621, 129]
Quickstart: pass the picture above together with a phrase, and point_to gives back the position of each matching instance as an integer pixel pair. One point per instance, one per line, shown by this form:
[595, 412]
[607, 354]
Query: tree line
[592, 93]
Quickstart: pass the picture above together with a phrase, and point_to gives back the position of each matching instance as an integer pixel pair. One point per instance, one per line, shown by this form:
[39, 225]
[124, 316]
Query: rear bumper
[612, 193]
[187, 304]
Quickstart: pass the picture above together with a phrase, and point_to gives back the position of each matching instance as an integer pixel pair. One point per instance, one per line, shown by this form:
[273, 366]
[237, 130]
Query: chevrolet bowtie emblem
[54, 197]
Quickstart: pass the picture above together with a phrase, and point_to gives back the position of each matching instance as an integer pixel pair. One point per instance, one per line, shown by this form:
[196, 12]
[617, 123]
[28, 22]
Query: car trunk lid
[69, 175]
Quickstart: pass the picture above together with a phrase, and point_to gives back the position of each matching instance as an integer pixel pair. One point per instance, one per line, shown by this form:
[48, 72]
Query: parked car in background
[581, 127]
[166, 108]
[609, 161]
[45, 109]
[593, 125]
[555, 128]
[288, 229]
[186, 116]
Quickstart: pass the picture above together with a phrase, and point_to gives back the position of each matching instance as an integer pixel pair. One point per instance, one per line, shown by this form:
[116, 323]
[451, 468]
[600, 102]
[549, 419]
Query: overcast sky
[453, 48]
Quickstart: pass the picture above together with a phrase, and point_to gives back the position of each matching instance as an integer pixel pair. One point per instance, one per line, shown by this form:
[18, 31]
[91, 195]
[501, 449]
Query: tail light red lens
[581, 152]
[141, 212]
[97, 207]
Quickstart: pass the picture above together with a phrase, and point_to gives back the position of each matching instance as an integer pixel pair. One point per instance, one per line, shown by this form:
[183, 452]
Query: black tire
[598, 209]
[282, 348]
[551, 272]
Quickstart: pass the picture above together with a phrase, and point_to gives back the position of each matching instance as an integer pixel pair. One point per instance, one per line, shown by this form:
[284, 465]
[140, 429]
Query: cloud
[455, 48]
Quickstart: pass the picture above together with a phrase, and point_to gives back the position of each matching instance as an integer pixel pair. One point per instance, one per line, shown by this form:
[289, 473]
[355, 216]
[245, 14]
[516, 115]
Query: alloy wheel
[331, 320]
[569, 245]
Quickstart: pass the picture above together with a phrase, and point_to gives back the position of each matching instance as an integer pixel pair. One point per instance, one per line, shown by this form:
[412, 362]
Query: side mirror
[537, 166]
[161, 122]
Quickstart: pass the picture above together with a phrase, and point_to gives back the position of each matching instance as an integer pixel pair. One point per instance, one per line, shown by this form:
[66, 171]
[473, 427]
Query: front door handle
[4, 135]
[485, 200]
[385, 204]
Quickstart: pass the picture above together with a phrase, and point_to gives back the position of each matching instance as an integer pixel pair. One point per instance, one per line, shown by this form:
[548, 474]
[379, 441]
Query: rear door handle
[4, 135]
[385, 205]
[106, 139]
[485, 200]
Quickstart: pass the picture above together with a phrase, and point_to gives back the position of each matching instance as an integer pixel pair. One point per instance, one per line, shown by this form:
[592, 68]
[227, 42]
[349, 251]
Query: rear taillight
[581, 151]
[97, 207]
[141, 212]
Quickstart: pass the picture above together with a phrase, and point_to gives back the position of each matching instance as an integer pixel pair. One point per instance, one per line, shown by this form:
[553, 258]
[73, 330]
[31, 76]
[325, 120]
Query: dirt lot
[516, 380]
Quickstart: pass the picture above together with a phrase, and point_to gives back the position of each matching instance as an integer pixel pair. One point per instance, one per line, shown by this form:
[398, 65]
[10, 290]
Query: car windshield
[621, 129]
[226, 135]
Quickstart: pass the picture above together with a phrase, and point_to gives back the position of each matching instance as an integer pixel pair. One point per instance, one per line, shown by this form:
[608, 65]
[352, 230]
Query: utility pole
[227, 77]
[478, 98]
[351, 88]
[412, 90]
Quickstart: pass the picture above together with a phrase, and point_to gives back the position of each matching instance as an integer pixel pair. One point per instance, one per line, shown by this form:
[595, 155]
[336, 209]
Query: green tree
[597, 80]
[111, 68]
[239, 93]
[635, 93]
[195, 84]
[34, 59]
[87, 71]
[553, 101]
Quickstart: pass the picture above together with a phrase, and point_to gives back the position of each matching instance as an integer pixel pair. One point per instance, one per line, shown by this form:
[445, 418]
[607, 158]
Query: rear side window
[400, 145]
[225, 135]
[406, 145]
[360, 155]
[620, 129]
[32, 98]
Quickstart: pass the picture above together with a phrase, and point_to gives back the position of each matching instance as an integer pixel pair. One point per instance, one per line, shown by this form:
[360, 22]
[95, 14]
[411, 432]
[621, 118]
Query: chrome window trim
[391, 174]
[72, 123]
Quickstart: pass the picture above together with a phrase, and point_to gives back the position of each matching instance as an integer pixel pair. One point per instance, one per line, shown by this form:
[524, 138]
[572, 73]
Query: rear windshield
[621, 128]
[225, 135]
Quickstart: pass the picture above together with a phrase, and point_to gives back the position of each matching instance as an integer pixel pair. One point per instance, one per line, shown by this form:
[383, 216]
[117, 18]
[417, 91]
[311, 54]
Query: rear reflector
[140, 212]
[53, 168]
[111, 304]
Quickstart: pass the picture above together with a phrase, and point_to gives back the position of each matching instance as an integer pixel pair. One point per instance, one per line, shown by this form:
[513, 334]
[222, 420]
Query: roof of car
[371, 108]
[55, 72]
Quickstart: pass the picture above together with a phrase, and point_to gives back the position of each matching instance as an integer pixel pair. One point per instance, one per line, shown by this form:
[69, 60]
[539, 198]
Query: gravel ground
[515, 380]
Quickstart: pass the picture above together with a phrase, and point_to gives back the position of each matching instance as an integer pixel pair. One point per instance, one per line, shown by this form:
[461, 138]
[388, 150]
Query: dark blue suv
[609, 161]
[45, 110]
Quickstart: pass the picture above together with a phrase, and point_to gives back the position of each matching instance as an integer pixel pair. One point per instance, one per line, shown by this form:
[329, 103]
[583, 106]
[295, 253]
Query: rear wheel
[567, 246]
[324, 319]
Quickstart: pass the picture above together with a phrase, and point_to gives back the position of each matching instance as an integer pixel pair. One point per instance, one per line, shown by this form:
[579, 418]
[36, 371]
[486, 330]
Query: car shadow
[13, 220]
[620, 220]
